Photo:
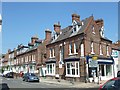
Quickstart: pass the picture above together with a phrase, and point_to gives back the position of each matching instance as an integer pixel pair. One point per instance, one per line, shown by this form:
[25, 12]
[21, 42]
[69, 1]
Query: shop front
[103, 68]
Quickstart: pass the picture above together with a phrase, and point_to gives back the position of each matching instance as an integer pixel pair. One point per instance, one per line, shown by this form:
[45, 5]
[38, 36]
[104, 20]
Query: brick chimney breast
[57, 27]
[47, 34]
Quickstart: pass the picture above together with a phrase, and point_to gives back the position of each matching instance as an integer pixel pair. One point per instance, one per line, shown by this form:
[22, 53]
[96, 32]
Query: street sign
[94, 58]
[93, 63]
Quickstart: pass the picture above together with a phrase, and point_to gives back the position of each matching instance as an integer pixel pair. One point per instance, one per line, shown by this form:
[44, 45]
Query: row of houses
[76, 52]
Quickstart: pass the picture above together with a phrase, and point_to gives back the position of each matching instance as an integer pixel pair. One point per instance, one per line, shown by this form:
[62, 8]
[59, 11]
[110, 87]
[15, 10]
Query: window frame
[76, 68]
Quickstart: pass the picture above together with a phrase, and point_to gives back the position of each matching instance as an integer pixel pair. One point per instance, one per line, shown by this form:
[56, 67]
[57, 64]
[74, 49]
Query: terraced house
[29, 58]
[79, 51]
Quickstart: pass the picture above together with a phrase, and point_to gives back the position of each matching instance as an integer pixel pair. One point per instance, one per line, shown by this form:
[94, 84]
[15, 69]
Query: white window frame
[93, 29]
[101, 50]
[50, 53]
[70, 75]
[53, 69]
[82, 49]
[53, 50]
[107, 50]
[92, 48]
[70, 48]
[75, 49]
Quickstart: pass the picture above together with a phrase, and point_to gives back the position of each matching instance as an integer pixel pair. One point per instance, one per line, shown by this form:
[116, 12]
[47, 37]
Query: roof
[106, 39]
[66, 32]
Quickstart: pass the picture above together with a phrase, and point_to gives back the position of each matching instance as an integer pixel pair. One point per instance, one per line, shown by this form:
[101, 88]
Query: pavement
[71, 84]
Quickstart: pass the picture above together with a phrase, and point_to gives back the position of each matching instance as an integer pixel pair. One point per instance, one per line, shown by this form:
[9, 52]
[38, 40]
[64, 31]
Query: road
[19, 84]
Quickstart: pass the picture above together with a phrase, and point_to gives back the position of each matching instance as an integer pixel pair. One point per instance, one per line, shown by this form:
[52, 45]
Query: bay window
[72, 69]
[51, 69]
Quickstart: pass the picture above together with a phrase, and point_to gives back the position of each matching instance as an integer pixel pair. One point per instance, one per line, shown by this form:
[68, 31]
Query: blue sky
[21, 21]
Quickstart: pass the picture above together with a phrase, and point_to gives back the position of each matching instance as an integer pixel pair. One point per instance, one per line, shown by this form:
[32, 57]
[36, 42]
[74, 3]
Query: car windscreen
[31, 74]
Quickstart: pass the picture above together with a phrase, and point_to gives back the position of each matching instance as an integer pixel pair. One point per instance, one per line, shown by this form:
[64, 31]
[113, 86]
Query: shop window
[108, 70]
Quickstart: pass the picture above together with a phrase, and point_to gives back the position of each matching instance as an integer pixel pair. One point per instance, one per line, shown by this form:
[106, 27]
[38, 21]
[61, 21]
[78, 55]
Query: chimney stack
[75, 17]
[57, 27]
[33, 39]
[47, 34]
[9, 50]
[100, 22]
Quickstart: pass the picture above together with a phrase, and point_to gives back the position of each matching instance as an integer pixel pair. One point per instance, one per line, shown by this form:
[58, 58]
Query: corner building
[73, 48]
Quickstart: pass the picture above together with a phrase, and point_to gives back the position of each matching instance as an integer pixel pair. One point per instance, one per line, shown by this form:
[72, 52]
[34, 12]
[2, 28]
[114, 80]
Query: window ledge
[92, 53]
[72, 75]
[75, 53]
[50, 74]
[71, 54]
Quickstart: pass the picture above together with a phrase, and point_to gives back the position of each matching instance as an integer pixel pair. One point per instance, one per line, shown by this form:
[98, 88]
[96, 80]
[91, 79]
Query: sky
[22, 20]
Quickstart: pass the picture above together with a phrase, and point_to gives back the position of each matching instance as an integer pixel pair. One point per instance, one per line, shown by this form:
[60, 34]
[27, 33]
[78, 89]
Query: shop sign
[93, 63]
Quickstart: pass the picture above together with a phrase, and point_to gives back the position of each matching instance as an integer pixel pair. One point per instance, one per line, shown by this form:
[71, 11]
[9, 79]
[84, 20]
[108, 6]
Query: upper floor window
[70, 48]
[52, 52]
[61, 53]
[107, 50]
[101, 50]
[93, 29]
[82, 49]
[92, 48]
[75, 48]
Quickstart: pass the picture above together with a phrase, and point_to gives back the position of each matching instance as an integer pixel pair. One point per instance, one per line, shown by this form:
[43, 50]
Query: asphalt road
[16, 84]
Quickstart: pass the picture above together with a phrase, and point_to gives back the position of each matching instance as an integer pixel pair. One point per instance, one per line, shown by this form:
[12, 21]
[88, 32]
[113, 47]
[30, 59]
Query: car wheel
[28, 80]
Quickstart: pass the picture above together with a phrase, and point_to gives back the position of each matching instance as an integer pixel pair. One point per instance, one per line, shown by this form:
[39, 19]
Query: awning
[101, 61]
[51, 61]
[72, 58]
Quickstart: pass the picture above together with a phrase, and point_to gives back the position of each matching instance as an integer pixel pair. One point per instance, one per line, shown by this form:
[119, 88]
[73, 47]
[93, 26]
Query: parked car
[112, 84]
[5, 72]
[118, 74]
[28, 77]
[10, 75]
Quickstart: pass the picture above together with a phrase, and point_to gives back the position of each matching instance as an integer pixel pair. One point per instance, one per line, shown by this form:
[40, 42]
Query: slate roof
[106, 39]
[66, 32]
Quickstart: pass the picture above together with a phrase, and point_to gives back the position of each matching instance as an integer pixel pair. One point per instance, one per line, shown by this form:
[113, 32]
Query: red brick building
[71, 50]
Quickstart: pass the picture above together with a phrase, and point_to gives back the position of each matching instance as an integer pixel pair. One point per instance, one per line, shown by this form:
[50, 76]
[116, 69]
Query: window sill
[75, 53]
[50, 74]
[72, 75]
[52, 57]
[92, 53]
[71, 54]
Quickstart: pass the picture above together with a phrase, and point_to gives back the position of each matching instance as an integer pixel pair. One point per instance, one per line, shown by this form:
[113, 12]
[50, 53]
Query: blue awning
[102, 61]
